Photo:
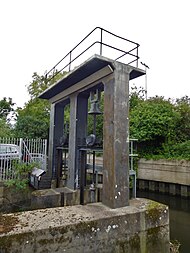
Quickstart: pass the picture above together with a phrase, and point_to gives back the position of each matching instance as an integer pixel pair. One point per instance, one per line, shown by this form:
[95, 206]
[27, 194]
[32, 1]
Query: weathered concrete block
[70, 197]
[14, 200]
[45, 198]
[62, 196]
[141, 227]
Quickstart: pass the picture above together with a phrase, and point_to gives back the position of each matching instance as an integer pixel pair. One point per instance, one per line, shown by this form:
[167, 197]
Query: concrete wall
[62, 197]
[13, 200]
[142, 227]
[176, 172]
[172, 177]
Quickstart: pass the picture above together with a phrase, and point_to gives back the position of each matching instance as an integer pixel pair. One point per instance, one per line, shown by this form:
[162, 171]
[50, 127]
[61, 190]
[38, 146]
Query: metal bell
[94, 108]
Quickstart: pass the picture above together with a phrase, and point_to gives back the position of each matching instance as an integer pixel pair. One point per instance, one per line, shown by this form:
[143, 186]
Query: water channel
[179, 216]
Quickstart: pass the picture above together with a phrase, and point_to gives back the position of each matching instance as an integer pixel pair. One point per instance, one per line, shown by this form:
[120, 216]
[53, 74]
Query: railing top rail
[119, 36]
[100, 41]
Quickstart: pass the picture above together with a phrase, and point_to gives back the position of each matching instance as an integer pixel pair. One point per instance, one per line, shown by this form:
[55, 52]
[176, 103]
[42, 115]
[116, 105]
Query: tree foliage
[153, 119]
[6, 106]
[182, 106]
[33, 119]
[6, 109]
[161, 126]
[41, 83]
[5, 129]
[136, 95]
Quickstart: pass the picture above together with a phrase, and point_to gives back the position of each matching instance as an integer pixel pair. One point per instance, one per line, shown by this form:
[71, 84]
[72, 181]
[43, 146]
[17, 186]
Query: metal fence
[19, 150]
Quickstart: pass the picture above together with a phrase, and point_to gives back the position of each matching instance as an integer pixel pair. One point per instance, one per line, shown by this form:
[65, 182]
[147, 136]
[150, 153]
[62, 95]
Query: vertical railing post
[137, 56]
[45, 154]
[20, 147]
[70, 58]
[53, 73]
[101, 41]
[46, 77]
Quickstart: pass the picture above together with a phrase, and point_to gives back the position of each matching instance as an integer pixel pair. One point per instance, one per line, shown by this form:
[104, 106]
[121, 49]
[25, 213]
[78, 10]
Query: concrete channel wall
[12, 200]
[165, 176]
[142, 227]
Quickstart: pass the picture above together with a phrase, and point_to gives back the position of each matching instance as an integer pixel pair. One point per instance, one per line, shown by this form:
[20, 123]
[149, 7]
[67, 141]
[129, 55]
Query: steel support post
[55, 133]
[116, 138]
[77, 135]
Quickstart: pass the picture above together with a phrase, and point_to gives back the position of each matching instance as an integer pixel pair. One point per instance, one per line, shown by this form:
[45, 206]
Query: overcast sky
[35, 34]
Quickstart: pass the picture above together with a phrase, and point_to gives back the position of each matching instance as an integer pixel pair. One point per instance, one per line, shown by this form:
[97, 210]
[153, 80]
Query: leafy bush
[21, 175]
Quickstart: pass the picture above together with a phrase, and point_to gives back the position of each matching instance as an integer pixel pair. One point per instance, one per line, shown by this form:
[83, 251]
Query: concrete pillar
[77, 135]
[152, 185]
[55, 133]
[141, 184]
[167, 188]
[184, 190]
[116, 138]
[172, 189]
[161, 187]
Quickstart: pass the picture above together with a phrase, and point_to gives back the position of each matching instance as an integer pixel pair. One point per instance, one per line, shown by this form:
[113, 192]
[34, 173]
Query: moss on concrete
[153, 234]
[40, 193]
[122, 245]
[131, 244]
[134, 242]
[155, 240]
[154, 211]
[84, 228]
[44, 242]
[7, 241]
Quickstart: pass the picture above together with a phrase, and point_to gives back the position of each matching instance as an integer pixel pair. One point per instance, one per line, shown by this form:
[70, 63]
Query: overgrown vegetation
[162, 126]
[21, 175]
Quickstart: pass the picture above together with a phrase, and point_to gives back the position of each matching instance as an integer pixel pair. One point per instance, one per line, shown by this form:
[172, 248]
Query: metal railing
[16, 150]
[97, 164]
[130, 49]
